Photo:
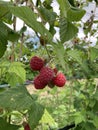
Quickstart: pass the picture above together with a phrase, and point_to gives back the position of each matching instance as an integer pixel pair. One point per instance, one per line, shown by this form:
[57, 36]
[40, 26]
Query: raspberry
[46, 74]
[59, 80]
[36, 63]
[26, 126]
[38, 83]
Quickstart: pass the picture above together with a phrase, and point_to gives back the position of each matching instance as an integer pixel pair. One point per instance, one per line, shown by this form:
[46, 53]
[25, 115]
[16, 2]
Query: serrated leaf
[3, 39]
[94, 53]
[48, 15]
[16, 98]
[5, 14]
[76, 54]
[95, 121]
[59, 50]
[70, 12]
[6, 34]
[89, 126]
[75, 14]
[6, 126]
[64, 7]
[3, 10]
[47, 118]
[67, 30]
[16, 74]
[27, 15]
[35, 113]
[79, 117]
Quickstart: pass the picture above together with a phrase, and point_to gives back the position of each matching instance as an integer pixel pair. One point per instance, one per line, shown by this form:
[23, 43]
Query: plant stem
[13, 46]
[47, 51]
[9, 119]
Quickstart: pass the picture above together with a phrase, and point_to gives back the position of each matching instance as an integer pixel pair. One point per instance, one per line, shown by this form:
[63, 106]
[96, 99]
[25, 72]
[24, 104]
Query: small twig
[47, 51]
[90, 26]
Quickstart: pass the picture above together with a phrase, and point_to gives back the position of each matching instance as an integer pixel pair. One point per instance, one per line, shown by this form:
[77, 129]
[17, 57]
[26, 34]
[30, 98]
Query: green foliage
[77, 101]
[70, 12]
[48, 119]
[6, 126]
[60, 52]
[16, 74]
[94, 53]
[29, 18]
[48, 15]
[35, 113]
[16, 98]
[67, 30]
[6, 34]
[3, 39]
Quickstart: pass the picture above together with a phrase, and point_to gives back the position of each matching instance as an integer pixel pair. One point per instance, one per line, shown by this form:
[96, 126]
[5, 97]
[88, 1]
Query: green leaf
[16, 98]
[48, 15]
[47, 119]
[93, 53]
[59, 50]
[79, 117]
[12, 35]
[64, 7]
[88, 126]
[5, 14]
[16, 74]
[6, 34]
[95, 121]
[76, 54]
[75, 14]
[79, 57]
[3, 39]
[3, 10]
[27, 15]
[67, 30]
[70, 12]
[35, 113]
[6, 126]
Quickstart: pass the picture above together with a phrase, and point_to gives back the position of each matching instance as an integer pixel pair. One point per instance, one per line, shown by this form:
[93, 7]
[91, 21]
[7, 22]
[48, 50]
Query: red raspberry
[38, 83]
[36, 63]
[59, 80]
[46, 74]
[26, 126]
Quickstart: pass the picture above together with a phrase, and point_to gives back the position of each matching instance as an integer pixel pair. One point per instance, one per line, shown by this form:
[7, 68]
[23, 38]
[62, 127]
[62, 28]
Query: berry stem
[47, 51]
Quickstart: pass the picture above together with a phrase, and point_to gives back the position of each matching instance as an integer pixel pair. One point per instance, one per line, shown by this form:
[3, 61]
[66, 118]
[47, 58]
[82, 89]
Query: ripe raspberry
[36, 63]
[59, 80]
[26, 126]
[38, 83]
[46, 74]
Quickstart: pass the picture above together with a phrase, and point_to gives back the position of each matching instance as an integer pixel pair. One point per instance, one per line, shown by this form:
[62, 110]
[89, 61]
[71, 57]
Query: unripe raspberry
[46, 74]
[38, 83]
[36, 63]
[59, 80]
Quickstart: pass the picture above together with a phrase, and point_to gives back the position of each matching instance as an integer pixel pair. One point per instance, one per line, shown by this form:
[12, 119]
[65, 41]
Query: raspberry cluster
[47, 75]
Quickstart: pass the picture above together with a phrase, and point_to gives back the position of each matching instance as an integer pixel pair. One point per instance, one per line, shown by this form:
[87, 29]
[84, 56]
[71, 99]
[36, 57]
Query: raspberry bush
[48, 65]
